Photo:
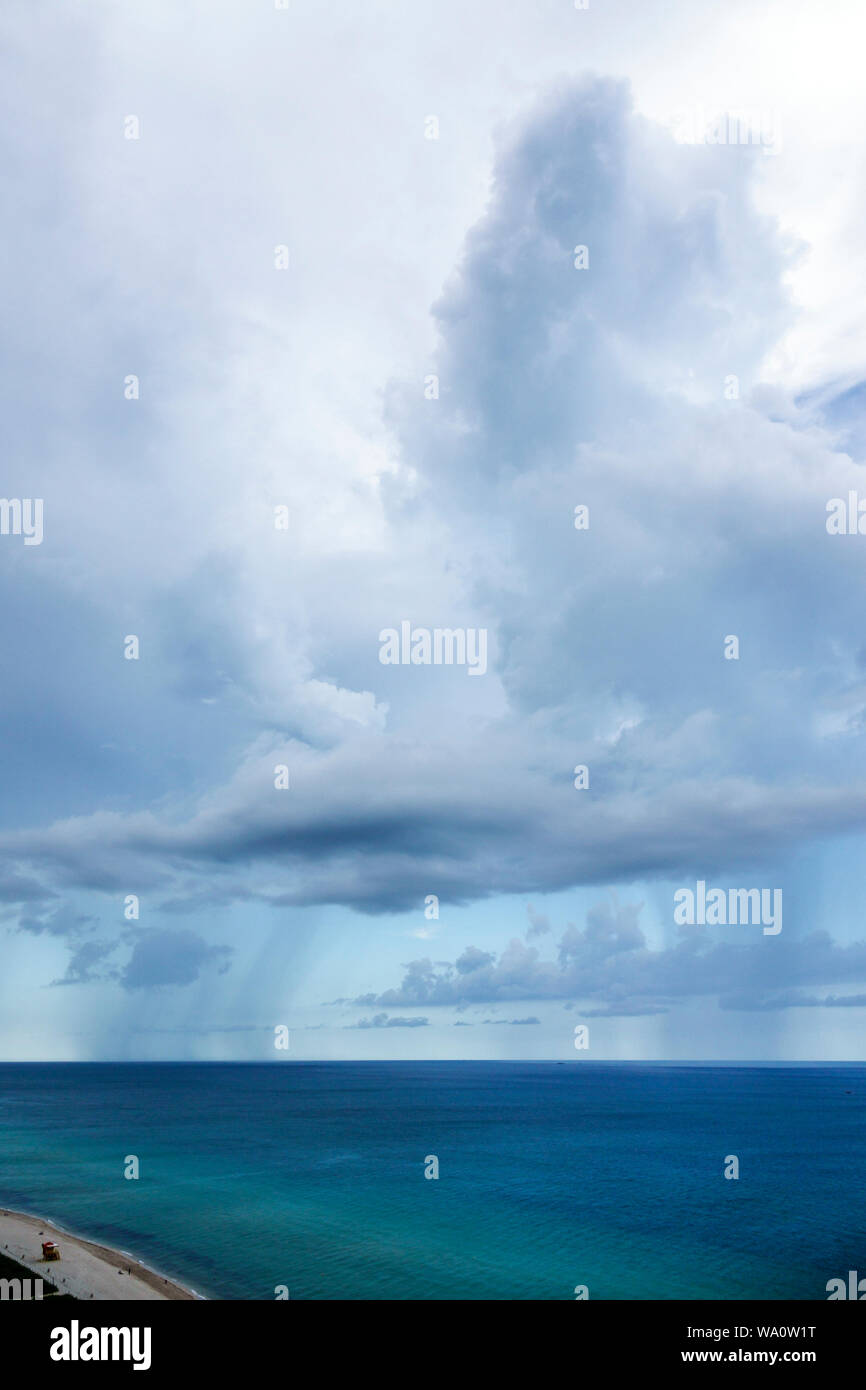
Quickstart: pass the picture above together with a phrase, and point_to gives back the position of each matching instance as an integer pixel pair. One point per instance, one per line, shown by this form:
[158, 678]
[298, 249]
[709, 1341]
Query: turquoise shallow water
[312, 1175]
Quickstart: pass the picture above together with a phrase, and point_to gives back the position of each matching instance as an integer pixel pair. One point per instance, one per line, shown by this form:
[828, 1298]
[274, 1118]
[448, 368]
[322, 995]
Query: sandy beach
[85, 1270]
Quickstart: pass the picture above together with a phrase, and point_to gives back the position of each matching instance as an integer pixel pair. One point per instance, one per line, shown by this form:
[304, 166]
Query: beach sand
[84, 1269]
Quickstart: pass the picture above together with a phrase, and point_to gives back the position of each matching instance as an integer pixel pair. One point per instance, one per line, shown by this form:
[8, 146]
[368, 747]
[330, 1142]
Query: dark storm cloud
[61, 922]
[87, 964]
[15, 889]
[560, 386]
[171, 958]
[479, 824]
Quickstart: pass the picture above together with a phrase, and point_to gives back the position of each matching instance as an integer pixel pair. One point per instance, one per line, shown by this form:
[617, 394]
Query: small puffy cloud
[473, 959]
[539, 925]
[171, 958]
[86, 964]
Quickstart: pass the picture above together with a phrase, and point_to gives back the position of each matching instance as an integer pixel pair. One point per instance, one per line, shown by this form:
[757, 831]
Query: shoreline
[86, 1269]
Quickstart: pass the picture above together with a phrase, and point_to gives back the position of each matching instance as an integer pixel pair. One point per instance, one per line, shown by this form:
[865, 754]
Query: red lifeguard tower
[50, 1251]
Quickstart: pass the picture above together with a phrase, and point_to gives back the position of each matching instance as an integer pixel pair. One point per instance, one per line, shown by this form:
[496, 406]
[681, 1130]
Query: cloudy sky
[297, 348]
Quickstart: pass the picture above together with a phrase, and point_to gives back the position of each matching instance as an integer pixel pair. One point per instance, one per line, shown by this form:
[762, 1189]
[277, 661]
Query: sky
[533, 325]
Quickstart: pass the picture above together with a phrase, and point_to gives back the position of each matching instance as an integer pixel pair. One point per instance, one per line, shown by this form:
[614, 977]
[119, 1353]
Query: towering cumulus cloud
[601, 485]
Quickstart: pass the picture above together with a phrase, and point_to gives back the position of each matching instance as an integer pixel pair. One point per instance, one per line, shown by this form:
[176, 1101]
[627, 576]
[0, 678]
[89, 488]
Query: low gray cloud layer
[609, 967]
[384, 1021]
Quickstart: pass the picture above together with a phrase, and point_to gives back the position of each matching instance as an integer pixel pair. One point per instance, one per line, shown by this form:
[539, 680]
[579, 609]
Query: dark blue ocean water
[312, 1175]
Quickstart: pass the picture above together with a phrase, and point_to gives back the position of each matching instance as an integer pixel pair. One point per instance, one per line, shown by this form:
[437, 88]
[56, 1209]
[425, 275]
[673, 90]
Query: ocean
[310, 1177]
